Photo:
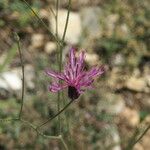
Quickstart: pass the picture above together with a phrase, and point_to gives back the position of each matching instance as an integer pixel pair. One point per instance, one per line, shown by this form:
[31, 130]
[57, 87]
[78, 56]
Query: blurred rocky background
[115, 33]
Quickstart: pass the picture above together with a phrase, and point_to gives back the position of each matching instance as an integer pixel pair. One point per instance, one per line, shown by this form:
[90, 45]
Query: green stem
[51, 10]
[22, 67]
[58, 47]
[58, 109]
[56, 17]
[141, 136]
[133, 140]
[50, 119]
[59, 137]
[65, 145]
[9, 119]
[64, 34]
[39, 132]
[67, 20]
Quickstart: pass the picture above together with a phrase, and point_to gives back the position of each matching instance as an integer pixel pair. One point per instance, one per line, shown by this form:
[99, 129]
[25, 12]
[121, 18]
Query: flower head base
[75, 78]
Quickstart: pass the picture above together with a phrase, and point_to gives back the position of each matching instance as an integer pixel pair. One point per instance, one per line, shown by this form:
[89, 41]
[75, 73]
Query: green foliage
[18, 7]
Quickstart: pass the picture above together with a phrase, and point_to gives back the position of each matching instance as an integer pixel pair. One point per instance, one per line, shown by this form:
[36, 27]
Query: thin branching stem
[58, 109]
[39, 132]
[58, 47]
[64, 34]
[51, 10]
[8, 119]
[56, 17]
[22, 67]
[133, 140]
[59, 137]
[42, 22]
[61, 48]
[50, 119]
[141, 136]
[65, 145]
[67, 20]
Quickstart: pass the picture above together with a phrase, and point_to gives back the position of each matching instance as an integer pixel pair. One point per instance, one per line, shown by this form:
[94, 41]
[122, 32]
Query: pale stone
[50, 47]
[37, 40]
[136, 84]
[92, 59]
[29, 75]
[10, 80]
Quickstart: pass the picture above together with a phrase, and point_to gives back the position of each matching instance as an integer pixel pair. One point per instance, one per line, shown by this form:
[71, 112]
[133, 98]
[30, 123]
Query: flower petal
[80, 61]
[95, 71]
[55, 87]
[72, 58]
[69, 76]
[86, 82]
[55, 74]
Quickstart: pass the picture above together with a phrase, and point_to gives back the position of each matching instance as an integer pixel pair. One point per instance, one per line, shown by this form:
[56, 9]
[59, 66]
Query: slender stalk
[50, 119]
[59, 137]
[42, 22]
[65, 145]
[133, 140]
[39, 132]
[67, 20]
[58, 109]
[141, 136]
[64, 34]
[22, 67]
[9, 119]
[56, 17]
[58, 47]
[22, 102]
[52, 11]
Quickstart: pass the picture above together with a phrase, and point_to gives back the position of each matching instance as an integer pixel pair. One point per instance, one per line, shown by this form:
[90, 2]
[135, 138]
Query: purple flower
[74, 77]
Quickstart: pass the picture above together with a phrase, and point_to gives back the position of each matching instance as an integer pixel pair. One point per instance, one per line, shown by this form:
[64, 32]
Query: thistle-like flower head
[74, 76]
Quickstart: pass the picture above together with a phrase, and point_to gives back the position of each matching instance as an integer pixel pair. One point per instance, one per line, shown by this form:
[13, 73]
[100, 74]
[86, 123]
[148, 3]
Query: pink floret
[75, 78]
